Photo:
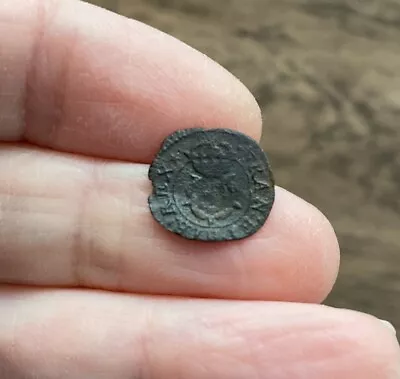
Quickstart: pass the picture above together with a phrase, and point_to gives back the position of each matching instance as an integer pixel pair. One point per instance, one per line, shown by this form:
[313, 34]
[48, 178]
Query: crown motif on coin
[210, 151]
[211, 159]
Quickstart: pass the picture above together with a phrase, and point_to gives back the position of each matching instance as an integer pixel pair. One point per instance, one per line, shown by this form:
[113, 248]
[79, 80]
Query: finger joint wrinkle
[47, 75]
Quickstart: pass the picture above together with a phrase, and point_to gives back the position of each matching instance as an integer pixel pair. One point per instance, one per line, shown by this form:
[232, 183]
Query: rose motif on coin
[211, 185]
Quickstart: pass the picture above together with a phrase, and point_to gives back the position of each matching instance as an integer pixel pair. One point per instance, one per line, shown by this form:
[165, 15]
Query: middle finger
[68, 221]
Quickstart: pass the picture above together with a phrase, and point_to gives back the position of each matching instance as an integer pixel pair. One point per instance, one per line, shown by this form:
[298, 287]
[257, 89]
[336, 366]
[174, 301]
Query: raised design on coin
[211, 185]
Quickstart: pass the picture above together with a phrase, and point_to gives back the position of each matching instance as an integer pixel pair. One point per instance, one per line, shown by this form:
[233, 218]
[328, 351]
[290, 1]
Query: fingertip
[370, 337]
[303, 235]
[349, 343]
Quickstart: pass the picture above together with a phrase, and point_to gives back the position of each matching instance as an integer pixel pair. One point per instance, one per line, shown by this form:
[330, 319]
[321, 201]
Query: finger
[81, 79]
[69, 222]
[66, 334]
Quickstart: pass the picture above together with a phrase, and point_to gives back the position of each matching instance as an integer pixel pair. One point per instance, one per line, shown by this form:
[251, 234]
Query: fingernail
[389, 326]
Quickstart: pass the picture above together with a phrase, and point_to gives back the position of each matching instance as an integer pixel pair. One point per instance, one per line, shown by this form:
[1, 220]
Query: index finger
[81, 79]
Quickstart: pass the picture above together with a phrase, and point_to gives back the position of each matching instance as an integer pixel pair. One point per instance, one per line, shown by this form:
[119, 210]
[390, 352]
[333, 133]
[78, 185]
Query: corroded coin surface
[211, 185]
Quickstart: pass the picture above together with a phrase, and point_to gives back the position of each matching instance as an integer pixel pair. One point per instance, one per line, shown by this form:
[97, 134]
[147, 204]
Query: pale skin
[91, 286]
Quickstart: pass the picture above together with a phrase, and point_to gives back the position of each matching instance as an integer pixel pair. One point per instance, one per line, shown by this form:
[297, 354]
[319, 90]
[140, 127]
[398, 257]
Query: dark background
[326, 74]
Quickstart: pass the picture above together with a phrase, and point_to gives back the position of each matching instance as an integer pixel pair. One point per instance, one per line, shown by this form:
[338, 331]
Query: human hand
[92, 286]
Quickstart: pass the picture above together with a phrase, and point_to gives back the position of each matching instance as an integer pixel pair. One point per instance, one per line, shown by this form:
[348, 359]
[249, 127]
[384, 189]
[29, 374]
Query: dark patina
[211, 185]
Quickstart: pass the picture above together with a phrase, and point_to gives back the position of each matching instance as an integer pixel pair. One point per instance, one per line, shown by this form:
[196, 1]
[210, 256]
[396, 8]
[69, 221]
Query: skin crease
[78, 86]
